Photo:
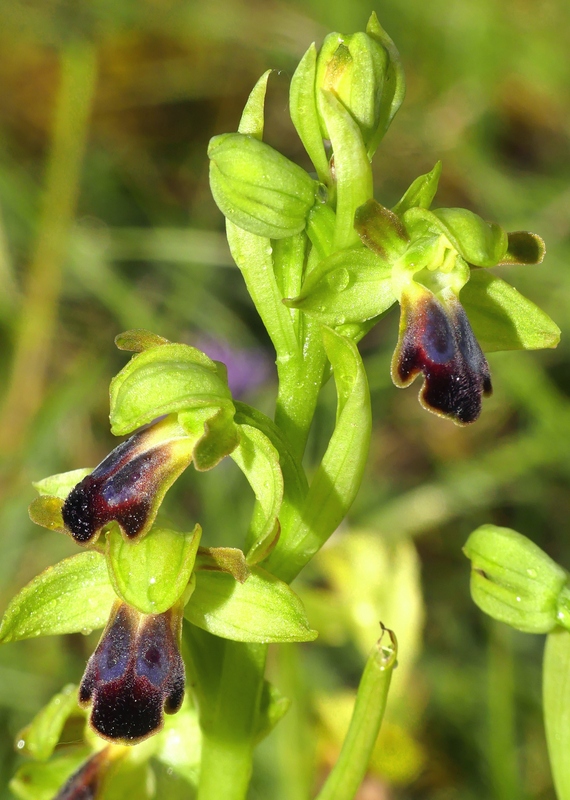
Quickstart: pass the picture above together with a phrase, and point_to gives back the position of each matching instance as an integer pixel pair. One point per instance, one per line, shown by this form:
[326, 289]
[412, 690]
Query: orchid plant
[323, 261]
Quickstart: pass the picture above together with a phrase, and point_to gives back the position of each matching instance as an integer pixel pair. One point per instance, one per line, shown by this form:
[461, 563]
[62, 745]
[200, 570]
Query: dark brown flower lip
[436, 340]
[127, 485]
[135, 675]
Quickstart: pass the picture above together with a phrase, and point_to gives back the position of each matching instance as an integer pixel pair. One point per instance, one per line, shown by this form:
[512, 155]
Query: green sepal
[513, 580]
[259, 462]
[60, 485]
[42, 781]
[524, 247]
[272, 708]
[73, 596]
[339, 475]
[381, 230]
[481, 243]
[349, 286]
[163, 380]
[40, 737]
[263, 609]
[138, 340]
[420, 193]
[230, 560]
[304, 114]
[502, 318]
[152, 574]
[258, 188]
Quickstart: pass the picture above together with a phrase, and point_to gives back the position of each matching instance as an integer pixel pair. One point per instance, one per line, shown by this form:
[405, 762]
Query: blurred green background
[106, 223]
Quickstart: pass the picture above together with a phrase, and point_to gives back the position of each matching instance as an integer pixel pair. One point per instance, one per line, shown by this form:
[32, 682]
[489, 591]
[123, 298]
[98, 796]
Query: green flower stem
[229, 729]
[39, 308]
[556, 703]
[501, 703]
[348, 772]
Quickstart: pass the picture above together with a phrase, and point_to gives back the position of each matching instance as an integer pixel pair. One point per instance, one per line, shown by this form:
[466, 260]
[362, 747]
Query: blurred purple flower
[248, 367]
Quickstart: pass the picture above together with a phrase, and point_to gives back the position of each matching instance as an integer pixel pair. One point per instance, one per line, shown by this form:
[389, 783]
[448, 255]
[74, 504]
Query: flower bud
[128, 486]
[258, 188]
[364, 73]
[86, 782]
[514, 581]
[135, 674]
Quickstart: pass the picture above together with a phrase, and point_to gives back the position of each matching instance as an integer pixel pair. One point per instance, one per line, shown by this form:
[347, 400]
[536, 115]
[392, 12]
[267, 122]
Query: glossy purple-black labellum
[135, 674]
[121, 488]
[438, 341]
[85, 783]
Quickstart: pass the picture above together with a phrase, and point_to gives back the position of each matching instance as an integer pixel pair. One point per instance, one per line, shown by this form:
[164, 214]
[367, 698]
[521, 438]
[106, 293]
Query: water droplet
[152, 581]
[20, 744]
[339, 279]
[518, 599]
[531, 573]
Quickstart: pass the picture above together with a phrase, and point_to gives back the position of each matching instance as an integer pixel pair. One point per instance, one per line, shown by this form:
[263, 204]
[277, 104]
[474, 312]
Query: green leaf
[321, 223]
[152, 574]
[263, 609]
[138, 340]
[353, 174]
[420, 193]
[259, 462]
[303, 110]
[252, 121]
[46, 511]
[339, 475]
[42, 781]
[60, 485]
[224, 559]
[74, 596]
[502, 318]
[381, 230]
[163, 380]
[41, 736]
[349, 286]
[272, 708]
[556, 703]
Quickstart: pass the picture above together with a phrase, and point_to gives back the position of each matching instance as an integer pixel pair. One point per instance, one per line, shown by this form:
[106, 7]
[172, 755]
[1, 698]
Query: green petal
[60, 485]
[74, 596]
[502, 318]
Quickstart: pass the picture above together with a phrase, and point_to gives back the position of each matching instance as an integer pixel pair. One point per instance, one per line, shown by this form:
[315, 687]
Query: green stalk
[348, 772]
[229, 727]
[501, 736]
[556, 702]
[39, 308]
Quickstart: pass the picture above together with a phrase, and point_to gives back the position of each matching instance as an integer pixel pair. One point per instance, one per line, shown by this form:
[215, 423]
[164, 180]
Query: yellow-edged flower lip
[436, 340]
[135, 674]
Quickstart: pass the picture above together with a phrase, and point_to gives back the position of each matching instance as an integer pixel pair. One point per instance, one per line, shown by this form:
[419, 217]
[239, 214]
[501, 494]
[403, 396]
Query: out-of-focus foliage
[488, 94]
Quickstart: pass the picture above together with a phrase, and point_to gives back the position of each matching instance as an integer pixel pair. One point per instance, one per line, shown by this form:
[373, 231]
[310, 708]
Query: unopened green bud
[514, 581]
[257, 188]
[364, 73]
